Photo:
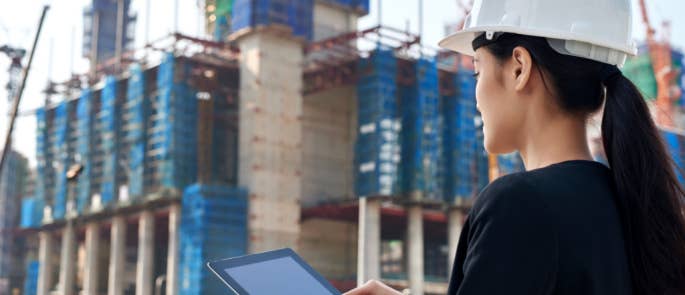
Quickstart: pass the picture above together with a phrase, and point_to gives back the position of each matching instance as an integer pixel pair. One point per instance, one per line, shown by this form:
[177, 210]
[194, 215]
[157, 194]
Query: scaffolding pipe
[379, 12]
[147, 22]
[119, 35]
[420, 24]
[175, 16]
[95, 35]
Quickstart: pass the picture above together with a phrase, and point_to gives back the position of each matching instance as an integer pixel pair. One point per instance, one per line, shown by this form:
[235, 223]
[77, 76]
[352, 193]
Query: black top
[552, 230]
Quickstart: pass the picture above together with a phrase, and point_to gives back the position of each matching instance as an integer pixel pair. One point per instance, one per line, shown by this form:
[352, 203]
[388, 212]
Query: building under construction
[280, 132]
[266, 137]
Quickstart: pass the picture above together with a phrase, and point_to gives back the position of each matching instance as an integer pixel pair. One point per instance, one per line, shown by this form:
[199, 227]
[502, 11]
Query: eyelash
[475, 75]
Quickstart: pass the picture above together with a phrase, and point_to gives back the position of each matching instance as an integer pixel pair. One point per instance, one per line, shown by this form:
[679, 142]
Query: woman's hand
[373, 287]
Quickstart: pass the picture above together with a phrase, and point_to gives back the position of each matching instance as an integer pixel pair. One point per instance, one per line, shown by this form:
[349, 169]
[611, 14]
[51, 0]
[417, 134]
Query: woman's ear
[523, 66]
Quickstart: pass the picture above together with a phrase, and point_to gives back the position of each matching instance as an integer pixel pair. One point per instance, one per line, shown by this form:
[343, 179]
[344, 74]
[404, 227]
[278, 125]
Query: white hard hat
[600, 30]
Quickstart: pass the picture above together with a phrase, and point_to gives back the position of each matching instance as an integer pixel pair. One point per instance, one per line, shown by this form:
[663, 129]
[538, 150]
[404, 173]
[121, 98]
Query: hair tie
[609, 72]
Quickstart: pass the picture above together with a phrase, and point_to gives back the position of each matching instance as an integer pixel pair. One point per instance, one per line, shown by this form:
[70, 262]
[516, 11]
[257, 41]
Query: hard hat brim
[460, 42]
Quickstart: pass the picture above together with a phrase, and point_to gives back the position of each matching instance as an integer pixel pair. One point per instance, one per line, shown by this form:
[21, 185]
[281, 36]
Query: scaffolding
[377, 149]
[136, 131]
[213, 226]
[295, 15]
[420, 130]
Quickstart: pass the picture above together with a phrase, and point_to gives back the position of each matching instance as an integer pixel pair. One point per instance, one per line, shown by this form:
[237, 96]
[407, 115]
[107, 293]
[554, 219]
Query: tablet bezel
[219, 267]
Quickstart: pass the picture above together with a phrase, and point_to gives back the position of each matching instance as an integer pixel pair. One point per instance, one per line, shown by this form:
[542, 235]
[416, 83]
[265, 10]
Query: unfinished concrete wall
[328, 134]
[270, 158]
[331, 20]
[330, 247]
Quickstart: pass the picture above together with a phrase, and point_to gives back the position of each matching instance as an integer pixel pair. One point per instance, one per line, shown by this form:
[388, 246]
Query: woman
[567, 225]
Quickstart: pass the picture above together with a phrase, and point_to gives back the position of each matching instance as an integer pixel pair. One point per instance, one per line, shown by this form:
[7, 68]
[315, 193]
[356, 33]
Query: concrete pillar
[146, 244]
[45, 275]
[415, 249]
[172, 253]
[92, 268]
[270, 145]
[67, 272]
[455, 224]
[117, 256]
[369, 244]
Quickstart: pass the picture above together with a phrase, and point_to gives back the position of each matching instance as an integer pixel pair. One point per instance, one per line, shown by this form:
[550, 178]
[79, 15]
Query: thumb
[365, 289]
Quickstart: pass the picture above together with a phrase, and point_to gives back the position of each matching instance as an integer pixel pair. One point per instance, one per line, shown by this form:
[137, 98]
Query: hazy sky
[18, 20]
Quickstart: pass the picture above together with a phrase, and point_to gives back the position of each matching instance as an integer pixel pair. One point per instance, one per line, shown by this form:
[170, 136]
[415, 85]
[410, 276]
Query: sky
[59, 48]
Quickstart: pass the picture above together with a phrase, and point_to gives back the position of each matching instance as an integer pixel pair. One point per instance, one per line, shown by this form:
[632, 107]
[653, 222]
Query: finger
[357, 291]
[365, 289]
[361, 290]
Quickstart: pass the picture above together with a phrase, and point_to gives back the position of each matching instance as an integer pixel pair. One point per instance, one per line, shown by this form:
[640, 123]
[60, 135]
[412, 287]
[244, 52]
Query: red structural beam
[208, 43]
[393, 219]
[405, 39]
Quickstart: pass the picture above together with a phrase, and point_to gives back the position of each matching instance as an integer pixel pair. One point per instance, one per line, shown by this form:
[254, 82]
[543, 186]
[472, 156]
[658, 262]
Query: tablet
[275, 272]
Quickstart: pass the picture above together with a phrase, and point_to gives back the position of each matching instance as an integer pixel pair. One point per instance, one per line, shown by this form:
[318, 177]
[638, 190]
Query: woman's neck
[554, 140]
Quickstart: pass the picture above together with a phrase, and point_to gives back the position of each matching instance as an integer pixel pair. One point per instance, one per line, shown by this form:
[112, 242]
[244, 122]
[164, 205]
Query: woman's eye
[475, 75]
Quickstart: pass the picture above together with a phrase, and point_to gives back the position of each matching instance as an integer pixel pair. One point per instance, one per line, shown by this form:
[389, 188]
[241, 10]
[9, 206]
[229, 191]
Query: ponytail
[648, 195]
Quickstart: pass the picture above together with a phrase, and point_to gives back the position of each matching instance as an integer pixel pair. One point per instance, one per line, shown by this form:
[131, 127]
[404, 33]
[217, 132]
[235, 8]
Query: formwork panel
[359, 6]
[462, 140]
[61, 122]
[294, 14]
[135, 130]
[420, 132]
[213, 226]
[42, 159]
[174, 135]
[109, 128]
[377, 149]
[84, 149]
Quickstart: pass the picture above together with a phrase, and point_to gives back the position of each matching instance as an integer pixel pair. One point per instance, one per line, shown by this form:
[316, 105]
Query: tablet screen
[277, 276]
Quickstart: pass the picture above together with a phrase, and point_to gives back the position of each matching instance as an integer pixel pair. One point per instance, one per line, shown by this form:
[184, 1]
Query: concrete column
[172, 253]
[369, 244]
[45, 276]
[455, 224]
[92, 269]
[117, 256]
[415, 249]
[67, 272]
[270, 143]
[146, 244]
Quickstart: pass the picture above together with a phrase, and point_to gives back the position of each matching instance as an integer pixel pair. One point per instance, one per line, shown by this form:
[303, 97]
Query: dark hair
[648, 194]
